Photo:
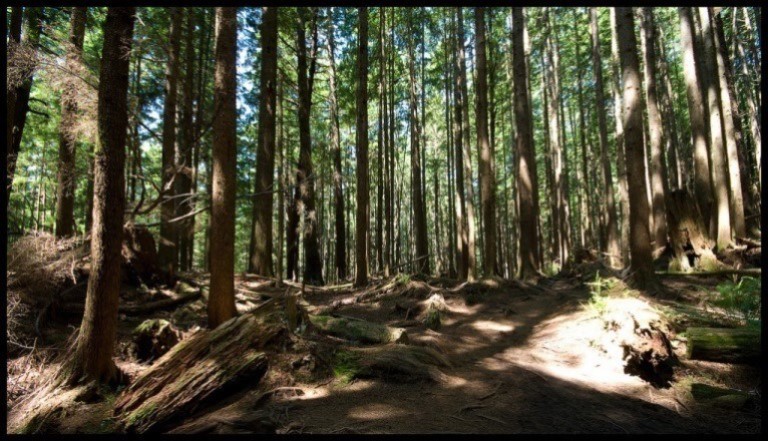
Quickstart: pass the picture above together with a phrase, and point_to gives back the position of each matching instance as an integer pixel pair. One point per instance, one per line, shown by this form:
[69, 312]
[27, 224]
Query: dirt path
[519, 365]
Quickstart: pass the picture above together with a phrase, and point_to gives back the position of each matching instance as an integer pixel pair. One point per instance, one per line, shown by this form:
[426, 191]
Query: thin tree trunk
[379, 150]
[221, 300]
[658, 173]
[620, 145]
[91, 358]
[338, 191]
[526, 166]
[65, 198]
[462, 237]
[640, 239]
[167, 247]
[260, 261]
[185, 149]
[361, 153]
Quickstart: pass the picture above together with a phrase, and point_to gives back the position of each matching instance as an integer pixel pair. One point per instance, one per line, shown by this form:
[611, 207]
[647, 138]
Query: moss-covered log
[358, 330]
[197, 371]
[718, 396]
[403, 363]
[740, 345]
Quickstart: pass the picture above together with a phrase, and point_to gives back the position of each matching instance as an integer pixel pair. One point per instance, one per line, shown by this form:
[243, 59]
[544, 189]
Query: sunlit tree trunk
[261, 232]
[65, 198]
[221, 300]
[526, 166]
[621, 170]
[640, 239]
[91, 357]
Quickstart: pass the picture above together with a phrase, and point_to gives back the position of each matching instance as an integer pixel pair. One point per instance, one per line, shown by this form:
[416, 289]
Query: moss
[402, 279]
[140, 414]
[346, 366]
[432, 320]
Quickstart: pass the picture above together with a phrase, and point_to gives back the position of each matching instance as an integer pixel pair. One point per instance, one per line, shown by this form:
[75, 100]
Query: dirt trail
[519, 366]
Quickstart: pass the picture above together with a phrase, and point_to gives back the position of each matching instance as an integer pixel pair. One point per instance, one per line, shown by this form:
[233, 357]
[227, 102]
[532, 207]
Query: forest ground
[524, 358]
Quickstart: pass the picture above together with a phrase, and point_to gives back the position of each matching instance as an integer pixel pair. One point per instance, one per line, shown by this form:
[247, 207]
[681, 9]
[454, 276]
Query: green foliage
[600, 291]
[740, 300]
[346, 366]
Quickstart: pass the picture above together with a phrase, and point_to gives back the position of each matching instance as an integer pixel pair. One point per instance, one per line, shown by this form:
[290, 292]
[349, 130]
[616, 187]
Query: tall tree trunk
[621, 169]
[185, 149]
[338, 191]
[281, 174]
[167, 248]
[752, 106]
[419, 212]
[658, 173]
[379, 150]
[612, 246]
[526, 166]
[260, 261]
[736, 206]
[718, 158]
[462, 237]
[65, 197]
[640, 239]
[20, 94]
[361, 152]
[221, 300]
[466, 157]
[487, 173]
[91, 358]
[702, 183]
[313, 265]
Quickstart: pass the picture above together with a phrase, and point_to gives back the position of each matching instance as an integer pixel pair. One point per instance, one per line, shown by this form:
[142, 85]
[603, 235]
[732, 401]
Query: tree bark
[185, 149]
[260, 261]
[658, 173]
[221, 301]
[305, 177]
[701, 179]
[487, 173]
[718, 158]
[361, 153]
[65, 197]
[168, 251]
[640, 240]
[92, 355]
[338, 190]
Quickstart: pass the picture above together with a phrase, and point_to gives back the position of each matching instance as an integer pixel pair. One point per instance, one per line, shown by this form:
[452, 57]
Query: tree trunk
[621, 169]
[612, 246]
[184, 151]
[736, 207]
[640, 240]
[92, 355]
[260, 261]
[718, 158]
[313, 265]
[526, 166]
[361, 152]
[168, 251]
[221, 300]
[487, 173]
[20, 95]
[658, 169]
[65, 197]
[702, 181]
[419, 211]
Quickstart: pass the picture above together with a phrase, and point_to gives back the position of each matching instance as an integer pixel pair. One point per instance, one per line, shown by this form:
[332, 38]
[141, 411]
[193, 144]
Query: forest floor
[523, 358]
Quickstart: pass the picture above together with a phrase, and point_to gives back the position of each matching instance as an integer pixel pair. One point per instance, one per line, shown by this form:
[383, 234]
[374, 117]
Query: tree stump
[140, 261]
[688, 236]
[153, 338]
[197, 371]
[358, 330]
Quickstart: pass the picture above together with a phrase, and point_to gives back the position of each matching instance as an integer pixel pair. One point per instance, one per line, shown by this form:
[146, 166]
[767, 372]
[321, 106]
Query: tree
[221, 300]
[65, 197]
[640, 240]
[305, 179]
[485, 152]
[621, 169]
[91, 358]
[612, 247]
[658, 173]
[261, 233]
[417, 198]
[718, 157]
[167, 249]
[701, 178]
[185, 152]
[18, 96]
[526, 165]
[361, 152]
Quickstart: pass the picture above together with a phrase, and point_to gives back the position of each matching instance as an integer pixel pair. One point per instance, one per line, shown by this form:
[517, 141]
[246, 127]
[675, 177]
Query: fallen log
[403, 363]
[198, 371]
[358, 330]
[740, 345]
[720, 397]
[75, 308]
[720, 272]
